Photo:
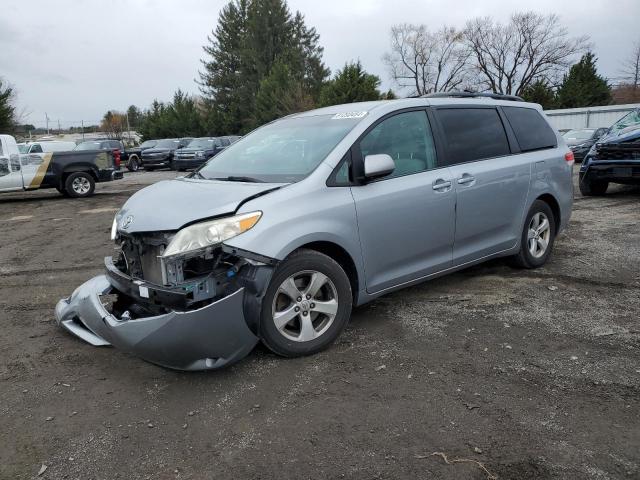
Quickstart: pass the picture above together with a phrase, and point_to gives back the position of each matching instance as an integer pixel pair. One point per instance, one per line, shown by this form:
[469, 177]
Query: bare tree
[631, 67]
[532, 46]
[426, 62]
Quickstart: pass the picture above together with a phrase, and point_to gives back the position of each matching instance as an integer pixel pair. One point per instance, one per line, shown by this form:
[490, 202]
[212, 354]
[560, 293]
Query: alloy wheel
[81, 185]
[305, 306]
[538, 235]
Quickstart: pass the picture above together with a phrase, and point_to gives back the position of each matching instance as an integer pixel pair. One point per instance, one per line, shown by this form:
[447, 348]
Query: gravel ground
[534, 374]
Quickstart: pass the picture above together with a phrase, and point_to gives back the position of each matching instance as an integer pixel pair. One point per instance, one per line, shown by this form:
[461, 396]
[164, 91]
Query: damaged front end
[195, 308]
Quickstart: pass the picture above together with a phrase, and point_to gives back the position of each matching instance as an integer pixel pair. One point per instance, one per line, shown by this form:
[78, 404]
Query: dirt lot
[536, 374]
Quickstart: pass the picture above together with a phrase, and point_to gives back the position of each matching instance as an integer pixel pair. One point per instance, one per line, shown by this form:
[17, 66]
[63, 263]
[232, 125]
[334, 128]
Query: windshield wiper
[233, 178]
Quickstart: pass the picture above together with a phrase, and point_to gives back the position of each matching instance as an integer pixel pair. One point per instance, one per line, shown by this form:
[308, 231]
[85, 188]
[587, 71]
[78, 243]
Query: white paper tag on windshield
[340, 116]
[144, 292]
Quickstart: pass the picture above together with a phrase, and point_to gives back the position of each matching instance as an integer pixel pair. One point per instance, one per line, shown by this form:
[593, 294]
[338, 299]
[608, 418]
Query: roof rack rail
[495, 96]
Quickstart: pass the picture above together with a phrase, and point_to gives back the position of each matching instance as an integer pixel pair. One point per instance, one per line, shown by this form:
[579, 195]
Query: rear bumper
[207, 338]
[109, 175]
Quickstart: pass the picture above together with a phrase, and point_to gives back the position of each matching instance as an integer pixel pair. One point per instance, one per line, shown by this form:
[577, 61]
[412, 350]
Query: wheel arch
[342, 257]
[555, 208]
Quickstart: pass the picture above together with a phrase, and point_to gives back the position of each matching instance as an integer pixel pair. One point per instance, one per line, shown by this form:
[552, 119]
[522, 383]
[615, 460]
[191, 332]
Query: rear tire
[79, 185]
[538, 236]
[306, 306]
[591, 188]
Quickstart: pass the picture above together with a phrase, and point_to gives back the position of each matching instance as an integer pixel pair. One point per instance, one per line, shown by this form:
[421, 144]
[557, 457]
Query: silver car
[278, 237]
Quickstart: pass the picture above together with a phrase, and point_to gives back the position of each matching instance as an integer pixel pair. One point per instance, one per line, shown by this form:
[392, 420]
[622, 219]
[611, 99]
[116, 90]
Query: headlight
[114, 229]
[201, 235]
[199, 154]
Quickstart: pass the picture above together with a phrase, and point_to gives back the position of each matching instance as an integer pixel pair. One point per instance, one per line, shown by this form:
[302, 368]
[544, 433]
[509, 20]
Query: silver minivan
[278, 237]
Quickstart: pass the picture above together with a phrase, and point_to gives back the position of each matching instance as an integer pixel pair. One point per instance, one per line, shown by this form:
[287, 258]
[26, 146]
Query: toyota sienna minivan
[279, 236]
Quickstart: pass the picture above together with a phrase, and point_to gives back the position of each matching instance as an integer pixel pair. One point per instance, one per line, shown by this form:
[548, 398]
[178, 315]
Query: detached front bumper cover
[207, 338]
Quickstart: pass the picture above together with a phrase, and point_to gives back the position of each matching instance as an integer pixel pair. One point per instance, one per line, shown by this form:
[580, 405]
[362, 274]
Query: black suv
[615, 158]
[199, 151]
[161, 156]
[581, 140]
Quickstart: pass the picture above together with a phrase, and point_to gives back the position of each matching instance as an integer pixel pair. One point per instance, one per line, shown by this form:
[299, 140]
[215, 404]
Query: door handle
[441, 185]
[466, 179]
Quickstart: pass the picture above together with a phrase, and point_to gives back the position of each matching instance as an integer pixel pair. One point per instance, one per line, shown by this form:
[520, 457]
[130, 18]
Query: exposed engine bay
[149, 283]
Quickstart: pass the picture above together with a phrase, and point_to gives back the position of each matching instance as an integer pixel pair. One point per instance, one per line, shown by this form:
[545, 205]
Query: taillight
[569, 158]
[116, 158]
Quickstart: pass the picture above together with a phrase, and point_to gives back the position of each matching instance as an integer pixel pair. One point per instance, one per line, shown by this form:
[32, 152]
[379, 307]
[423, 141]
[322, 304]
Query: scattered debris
[508, 347]
[73, 413]
[490, 476]
[471, 406]
[573, 357]
[48, 419]
[191, 413]
[43, 469]
[381, 367]
[410, 376]
[553, 288]
[150, 425]
[184, 426]
[477, 450]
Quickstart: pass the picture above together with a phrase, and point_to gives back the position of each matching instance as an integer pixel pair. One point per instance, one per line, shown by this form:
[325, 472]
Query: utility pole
[82, 122]
[128, 128]
[47, 119]
[58, 126]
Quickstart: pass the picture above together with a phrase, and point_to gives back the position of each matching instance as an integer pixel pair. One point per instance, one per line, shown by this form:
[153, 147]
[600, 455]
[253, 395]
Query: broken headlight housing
[205, 234]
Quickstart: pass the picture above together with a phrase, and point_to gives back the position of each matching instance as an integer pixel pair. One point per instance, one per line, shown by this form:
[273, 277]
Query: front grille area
[621, 151]
[142, 258]
[185, 156]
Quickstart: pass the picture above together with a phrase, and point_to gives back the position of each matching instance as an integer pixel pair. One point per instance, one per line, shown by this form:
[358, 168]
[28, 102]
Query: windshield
[167, 144]
[284, 151]
[148, 144]
[23, 148]
[583, 134]
[631, 119]
[88, 146]
[203, 143]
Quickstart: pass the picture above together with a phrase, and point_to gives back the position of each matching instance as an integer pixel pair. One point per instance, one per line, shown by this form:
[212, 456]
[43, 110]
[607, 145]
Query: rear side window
[473, 134]
[532, 131]
[225, 142]
[36, 148]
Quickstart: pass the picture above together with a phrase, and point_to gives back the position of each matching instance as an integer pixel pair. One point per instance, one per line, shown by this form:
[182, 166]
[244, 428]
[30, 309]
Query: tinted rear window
[532, 131]
[473, 134]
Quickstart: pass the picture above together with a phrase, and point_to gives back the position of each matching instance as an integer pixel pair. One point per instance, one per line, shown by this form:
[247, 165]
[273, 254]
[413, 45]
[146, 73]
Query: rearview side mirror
[379, 165]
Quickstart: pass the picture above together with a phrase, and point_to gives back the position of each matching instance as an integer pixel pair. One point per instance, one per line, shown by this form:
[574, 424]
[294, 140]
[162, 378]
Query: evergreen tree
[540, 92]
[135, 116]
[351, 84]
[280, 94]
[7, 110]
[251, 37]
[582, 86]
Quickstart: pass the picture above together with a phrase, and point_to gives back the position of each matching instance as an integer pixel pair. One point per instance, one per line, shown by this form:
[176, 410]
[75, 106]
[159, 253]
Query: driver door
[406, 220]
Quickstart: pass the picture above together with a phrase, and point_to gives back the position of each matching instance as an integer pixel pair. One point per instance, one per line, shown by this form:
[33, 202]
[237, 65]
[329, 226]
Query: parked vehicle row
[184, 153]
[277, 238]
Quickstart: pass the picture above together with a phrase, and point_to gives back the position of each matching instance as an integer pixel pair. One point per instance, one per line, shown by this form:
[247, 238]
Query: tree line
[262, 61]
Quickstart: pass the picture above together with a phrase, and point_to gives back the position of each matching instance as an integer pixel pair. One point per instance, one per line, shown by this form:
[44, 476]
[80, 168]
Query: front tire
[306, 306]
[79, 185]
[133, 165]
[591, 188]
[538, 236]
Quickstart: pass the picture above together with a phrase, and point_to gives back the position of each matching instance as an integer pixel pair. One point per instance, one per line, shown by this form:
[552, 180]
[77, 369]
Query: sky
[74, 60]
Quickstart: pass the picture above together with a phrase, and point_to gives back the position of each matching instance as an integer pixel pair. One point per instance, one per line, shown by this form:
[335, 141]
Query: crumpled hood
[629, 134]
[171, 204]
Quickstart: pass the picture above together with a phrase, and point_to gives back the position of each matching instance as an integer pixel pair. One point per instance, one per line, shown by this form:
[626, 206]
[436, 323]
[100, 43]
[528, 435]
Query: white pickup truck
[73, 173]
